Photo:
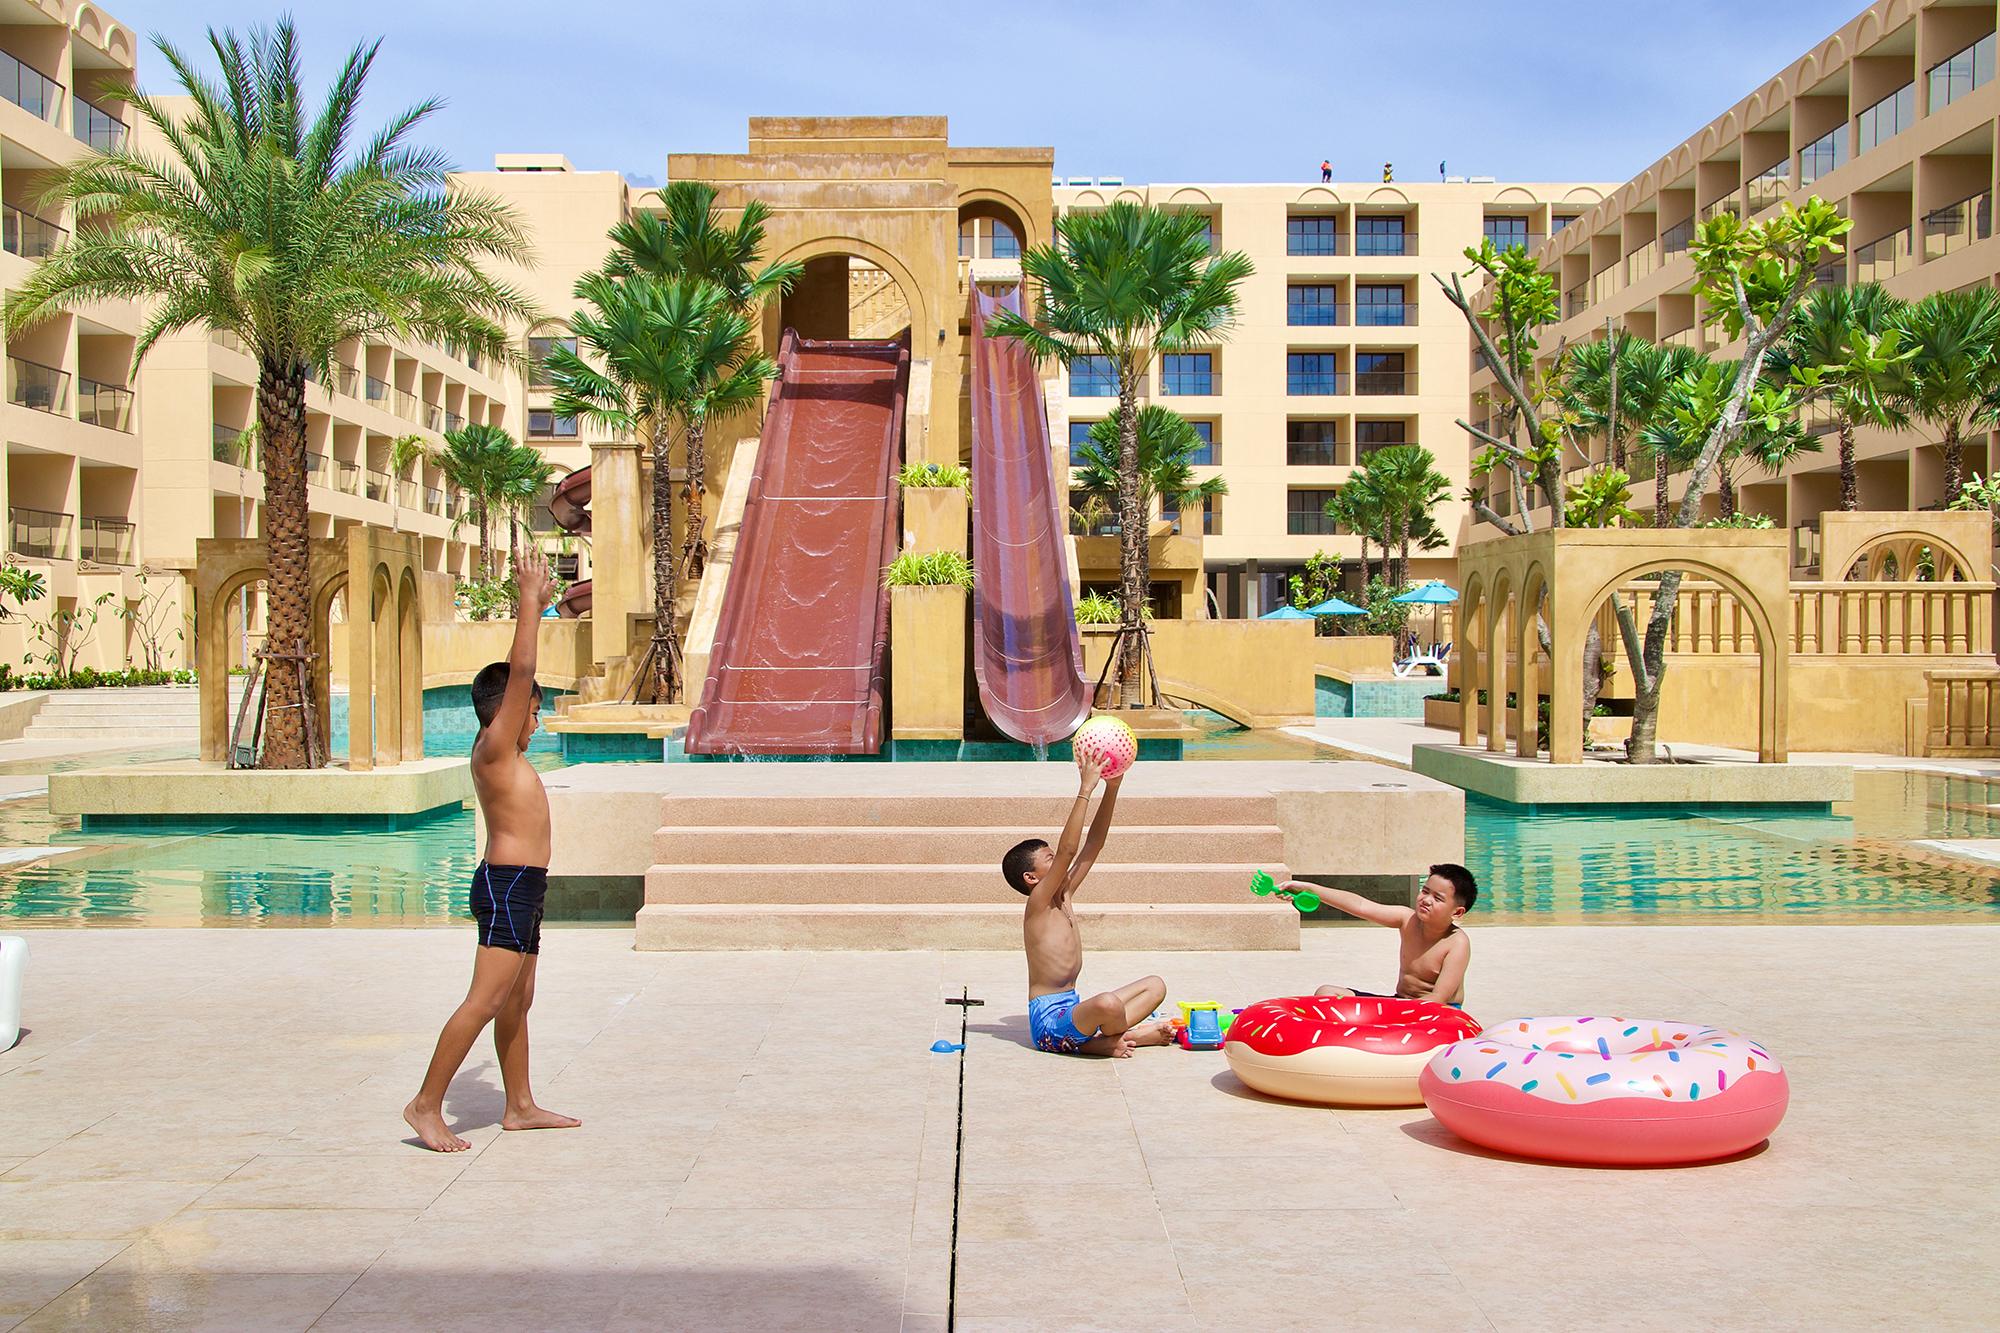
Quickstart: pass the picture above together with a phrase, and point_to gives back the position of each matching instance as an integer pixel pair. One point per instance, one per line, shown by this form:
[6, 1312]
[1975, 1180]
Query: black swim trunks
[507, 904]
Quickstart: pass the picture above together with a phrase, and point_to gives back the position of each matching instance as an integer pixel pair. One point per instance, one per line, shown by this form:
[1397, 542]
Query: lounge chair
[1421, 662]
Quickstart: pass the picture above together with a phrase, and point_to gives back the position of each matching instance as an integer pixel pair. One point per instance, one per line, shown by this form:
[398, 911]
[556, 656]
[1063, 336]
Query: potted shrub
[934, 506]
[927, 644]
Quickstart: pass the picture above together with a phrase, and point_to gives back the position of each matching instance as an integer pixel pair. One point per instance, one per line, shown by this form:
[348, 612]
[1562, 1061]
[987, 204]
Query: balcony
[316, 469]
[1393, 315]
[30, 89]
[38, 534]
[1385, 382]
[453, 421]
[409, 494]
[1689, 337]
[1190, 382]
[1717, 207]
[1519, 240]
[1886, 119]
[1676, 239]
[1310, 383]
[433, 500]
[1768, 188]
[1822, 155]
[1312, 453]
[1367, 449]
[1384, 243]
[408, 406]
[1958, 225]
[229, 445]
[1642, 261]
[1314, 314]
[347, 476]
[1969, 69]
[30, 237]
[1885, 257]
[377, 485]
[106, 405]
[1092, 380]
[32, 384]
[108, 541]
[1576, 300]
[376, 391]
[1305, 240]
[1605, 282]
[1310, 523]
[346, 379]
[93, 125]
[433, 417]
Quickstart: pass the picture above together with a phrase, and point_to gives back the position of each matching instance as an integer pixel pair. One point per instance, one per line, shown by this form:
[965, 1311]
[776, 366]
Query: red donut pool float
[1608, 1091]
[1342, 1050]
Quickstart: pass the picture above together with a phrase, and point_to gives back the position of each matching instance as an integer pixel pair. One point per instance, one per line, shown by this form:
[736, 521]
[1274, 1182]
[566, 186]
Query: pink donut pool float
[1607, 1091]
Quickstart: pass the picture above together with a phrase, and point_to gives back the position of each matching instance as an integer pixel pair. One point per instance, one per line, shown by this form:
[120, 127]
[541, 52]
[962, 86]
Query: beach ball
[1107, 740]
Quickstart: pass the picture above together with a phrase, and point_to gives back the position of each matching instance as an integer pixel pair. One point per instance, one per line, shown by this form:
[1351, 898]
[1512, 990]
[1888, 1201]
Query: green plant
[923, 476]
[1739, 520]
[152, 619]
[85, 678]
[494, 599]
[23, 585]
[1124, 283]
[1600, 500]
[1403, 486]
[64, 632]
[1846, 352]
[1383, 614]
[1953, 380]
[1319, 581]
[475, 458]
[1096, 608]
[932, 569]
[246, 208]
[1167, 444]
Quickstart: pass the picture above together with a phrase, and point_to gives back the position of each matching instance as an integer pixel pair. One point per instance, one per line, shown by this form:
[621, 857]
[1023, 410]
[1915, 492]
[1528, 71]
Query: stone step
[958, 884]
[922, 845]
[941, 810]
[1256, 924]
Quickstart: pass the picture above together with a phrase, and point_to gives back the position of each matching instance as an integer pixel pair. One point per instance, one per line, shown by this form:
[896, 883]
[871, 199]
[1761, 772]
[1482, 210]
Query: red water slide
[1026, 654]
[569, 505]
[797, 666]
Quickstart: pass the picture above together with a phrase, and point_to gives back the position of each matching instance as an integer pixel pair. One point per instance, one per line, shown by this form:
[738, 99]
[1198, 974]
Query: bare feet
[1158, 1032]
[432, 1130]
[536, 1118]
[1121, 1046]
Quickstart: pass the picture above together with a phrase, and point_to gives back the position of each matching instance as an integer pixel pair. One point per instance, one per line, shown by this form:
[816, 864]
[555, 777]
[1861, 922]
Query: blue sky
[1154, 90]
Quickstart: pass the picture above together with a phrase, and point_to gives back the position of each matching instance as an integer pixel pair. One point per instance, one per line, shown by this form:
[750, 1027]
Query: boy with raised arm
[1435, 950]
[508, 886]
[1107, 1023]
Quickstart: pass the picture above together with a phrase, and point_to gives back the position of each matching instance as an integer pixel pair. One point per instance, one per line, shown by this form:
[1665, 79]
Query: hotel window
[1886, 119]
[1561, 220]
[1092, 515]
[1965, 71]
[1373, 436]
[1312, 236]
[1312, 303]
[1380, 236]
[1211, 515]
[1079, 435]
[1381, 372]
[538, 354]
[1378, 305]
[1208, 231]
[1308, 373]
[1186, 373]
[547, 425]
[1306, 516]
[1312, 443]
[1093, 377]
[1822, 155]
[987, 238]
[1507, 233]
[1205, 455]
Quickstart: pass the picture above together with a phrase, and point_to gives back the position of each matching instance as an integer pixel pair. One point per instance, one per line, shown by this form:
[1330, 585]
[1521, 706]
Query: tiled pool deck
[201, 1131]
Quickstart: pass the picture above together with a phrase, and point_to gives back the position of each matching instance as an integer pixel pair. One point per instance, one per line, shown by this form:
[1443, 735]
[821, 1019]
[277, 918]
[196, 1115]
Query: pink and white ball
[1108, 741]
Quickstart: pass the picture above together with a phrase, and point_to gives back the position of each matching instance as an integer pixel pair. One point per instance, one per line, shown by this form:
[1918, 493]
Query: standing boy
[1106, 1024]
[508, 886]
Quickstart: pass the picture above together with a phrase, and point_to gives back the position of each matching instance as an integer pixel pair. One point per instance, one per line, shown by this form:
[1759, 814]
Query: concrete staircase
[141, 714]
[922, 871]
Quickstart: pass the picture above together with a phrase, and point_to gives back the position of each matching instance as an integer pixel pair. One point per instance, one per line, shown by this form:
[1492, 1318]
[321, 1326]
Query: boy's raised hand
[1090, 772]
[534, 585]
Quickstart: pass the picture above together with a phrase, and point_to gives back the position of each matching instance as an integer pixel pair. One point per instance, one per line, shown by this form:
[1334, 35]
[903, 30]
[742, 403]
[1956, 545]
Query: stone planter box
[927, 661]
[934, 519]
[1441, 713]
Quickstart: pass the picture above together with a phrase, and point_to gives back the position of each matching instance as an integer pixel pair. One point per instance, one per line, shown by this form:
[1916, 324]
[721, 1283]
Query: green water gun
[1264, 886]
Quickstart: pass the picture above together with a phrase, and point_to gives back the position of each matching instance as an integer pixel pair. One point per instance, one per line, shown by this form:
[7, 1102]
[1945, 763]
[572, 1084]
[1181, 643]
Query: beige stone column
[410, 662]
[1496, 673]
[360, 667]
[387, 686]
[620, 575]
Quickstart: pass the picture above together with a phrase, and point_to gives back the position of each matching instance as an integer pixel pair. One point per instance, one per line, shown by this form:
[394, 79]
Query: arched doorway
[846, 295]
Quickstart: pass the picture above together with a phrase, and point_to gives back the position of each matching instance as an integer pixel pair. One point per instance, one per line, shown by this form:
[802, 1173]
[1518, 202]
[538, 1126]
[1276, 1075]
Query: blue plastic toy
[1200, 1028]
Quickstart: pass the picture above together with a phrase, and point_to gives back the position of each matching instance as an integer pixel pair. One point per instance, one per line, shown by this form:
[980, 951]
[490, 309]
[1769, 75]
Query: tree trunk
[1593, 674]
[666, 591]
[694, 544]
[1134, 579]
[1954, 462]
[281, 420]
[1366, 569]
[479, 520]
[1650, 672]
[1850, 483]
[513, 543]
[1403, 556]
[1661, 500]
[1725, 494]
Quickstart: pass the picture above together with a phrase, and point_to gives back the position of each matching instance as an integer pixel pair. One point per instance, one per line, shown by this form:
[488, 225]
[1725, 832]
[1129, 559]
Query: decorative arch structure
[1567, 574]
[384, 637]
[1960, 540]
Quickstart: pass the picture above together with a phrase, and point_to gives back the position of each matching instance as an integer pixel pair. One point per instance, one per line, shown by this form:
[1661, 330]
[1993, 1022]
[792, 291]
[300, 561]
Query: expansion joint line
[965, 1007]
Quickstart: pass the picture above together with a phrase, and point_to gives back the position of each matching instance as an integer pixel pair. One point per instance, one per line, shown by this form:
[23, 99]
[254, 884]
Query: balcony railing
[1885, 256]
[95, 126]
[1315, 314]
[1886, 119]
[1307, 383]
[1642, 261]
[347, 476]
[1716, 207]
[317, 468]
[30, 237]
[32, 384]
[433, 417]
[346, 379]
[1313, 453]
[108, 541]
[1517, 240]
[1367, 449]
[227, 338]
[408, 406]
[1368, 243]
[1953, 78]
[1315, 243]
[1768, 188]
[30, 89]
[1576, 300]
[1832, 274]
[1687, 337]
[1604, 282]
[1400, 315]
[1824, 154]
[1385, 381]
[1958, 225]
[433, 500]
[1310, 523]
[376, 391]
[378, 485]
[453, 421]
[1190, 383]
[1676, 239]
[409, 494]
[228, 445]
[39, 533]
[105, 405]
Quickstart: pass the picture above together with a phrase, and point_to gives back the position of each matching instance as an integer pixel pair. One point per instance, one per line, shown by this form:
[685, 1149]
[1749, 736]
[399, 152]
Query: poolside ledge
[1707, 780]
[196, 790]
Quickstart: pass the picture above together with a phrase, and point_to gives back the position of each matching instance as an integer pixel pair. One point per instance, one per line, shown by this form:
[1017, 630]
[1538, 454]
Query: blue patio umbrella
[1286, 613]
[1432, 595]
[1333, 606]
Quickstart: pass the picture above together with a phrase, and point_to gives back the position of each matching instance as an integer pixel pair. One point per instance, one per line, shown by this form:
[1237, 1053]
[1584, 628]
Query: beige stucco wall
[1255, 672]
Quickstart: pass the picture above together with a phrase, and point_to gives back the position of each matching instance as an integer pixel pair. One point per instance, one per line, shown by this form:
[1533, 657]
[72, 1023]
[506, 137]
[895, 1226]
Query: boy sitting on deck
[1105, 1024]
[508, 886]
[1435, 951]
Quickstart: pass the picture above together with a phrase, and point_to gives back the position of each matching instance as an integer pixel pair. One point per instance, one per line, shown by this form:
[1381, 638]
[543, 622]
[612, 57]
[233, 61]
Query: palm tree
[1406, 487]
[1845, 350]
[1357, 506]
[688, 239]
[474, 458]
[524, 472]
[258, 221]
[403, 451]
[1646, 373]
[1167, 446]
[674, 352]
[1125, 283]
[1954, 369]
[1672, 439]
